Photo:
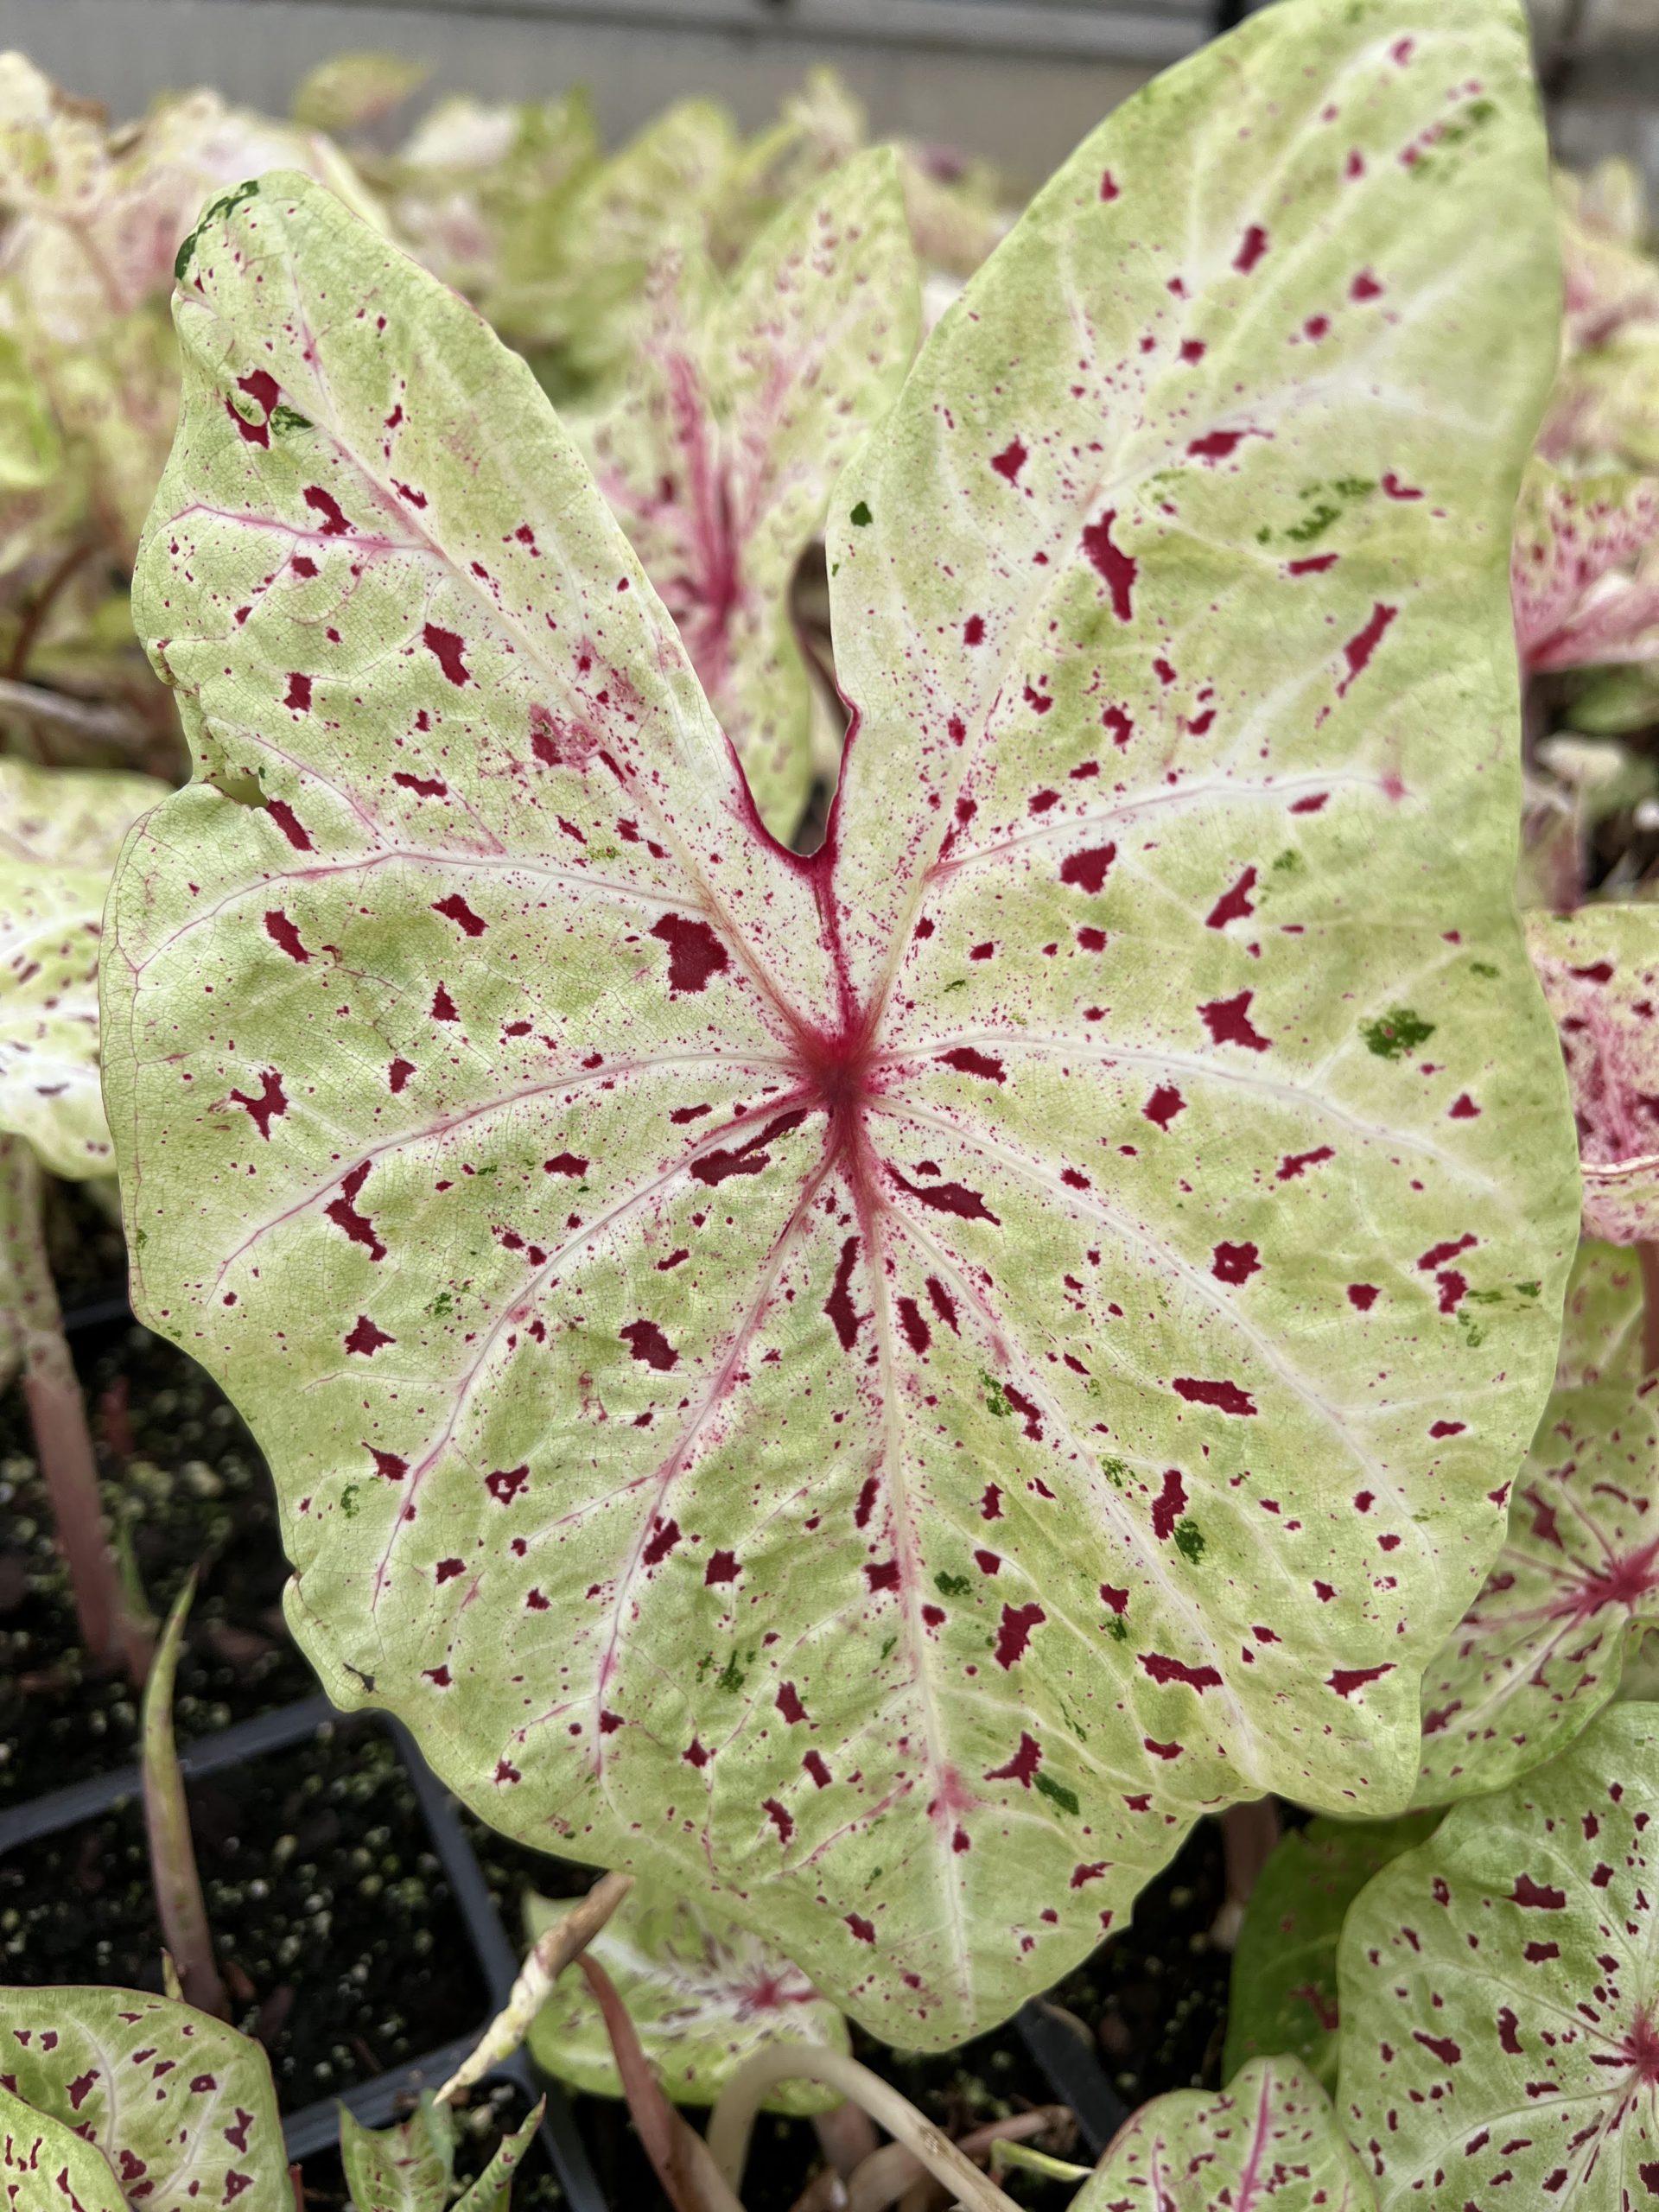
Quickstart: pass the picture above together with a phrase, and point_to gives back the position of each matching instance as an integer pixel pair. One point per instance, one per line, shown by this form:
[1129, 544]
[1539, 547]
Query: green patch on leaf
[1391, 1036]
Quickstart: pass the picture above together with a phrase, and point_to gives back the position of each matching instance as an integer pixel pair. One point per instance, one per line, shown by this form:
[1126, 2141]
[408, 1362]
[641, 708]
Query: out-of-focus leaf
[1601, 1323]
[1283, 1994]
[1584, 570]
[703, 1995]
[479, 191]
[1599, 968]
[350, 91]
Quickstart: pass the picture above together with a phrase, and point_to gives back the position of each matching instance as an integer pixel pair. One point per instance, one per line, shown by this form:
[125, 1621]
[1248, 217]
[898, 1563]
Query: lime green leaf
[1499, 1998]
[478, 192]
[43, 2162]
[1599, 968]
[1601, 1323]
[60, 832]
[1283, 1992]
[349, 91]
[720, 443]
[852, 1379]
[703, 1994]
[407, 2168]
[181, 2108]
[1271, 2136]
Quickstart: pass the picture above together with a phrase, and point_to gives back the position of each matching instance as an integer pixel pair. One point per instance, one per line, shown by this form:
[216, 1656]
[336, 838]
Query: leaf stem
[732, 2121]
[691, 2181]
[173, 1871]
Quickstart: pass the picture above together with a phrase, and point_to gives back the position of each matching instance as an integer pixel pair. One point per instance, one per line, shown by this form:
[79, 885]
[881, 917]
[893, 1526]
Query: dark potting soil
[321, 1888]
[339, 1942]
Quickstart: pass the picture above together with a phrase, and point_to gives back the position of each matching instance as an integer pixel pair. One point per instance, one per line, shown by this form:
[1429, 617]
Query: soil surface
[334, 1922]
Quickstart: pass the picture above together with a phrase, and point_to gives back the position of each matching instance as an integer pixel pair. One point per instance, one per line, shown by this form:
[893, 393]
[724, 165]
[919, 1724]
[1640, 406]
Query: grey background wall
[1018, 80]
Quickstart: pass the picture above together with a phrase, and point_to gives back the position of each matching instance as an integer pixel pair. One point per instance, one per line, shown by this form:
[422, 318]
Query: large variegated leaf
[727, 429]
[1601, 1320]
[60, 832]
[181, 2107]
[1584, 570]
[45, 2164]
[1500, 1992]
[702, 1992]
[1569, 1598]
[1282, 1994]
[890, 1381]
[1270, 2140]
[1599, 968]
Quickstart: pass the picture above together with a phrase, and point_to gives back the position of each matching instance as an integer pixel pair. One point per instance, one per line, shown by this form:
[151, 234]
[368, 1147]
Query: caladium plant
[717, 448]
[1599, 968]
[889, 1382]
[411, 2167]
[1585, 574]
[1270, 2139]
[1282, 1995]
[1499, 2041]
[703, 1993]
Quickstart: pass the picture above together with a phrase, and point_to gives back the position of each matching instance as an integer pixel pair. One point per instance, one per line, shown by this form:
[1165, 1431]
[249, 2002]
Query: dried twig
[173, 1871]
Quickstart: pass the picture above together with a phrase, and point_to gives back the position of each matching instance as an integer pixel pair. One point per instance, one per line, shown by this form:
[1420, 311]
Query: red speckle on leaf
[1229, 1022]
[1441, 1429]
[366, 1338]
[455, 909]
[1346, 1680]
[298, 694]
[1165, 1103]
[916, 1333]
[1009, 462]
[722, 1568]
[1221, 445]
[272, 1101]
[290, 825]
[344, 1213]
[815, 1766]
[973, 630]
[447, 1569]
[789, 1704]
[839, 1304]
[748, 1158]
[1314, 565]
[1298, 1163]
[565, 1163]
[649, 1346]
[1235, 904]
[504, 1484]
[445, 646]
[1362, 1294]
[1359, 648]
[387, 1463]
[1462, 1109]
[967, 1061]
[1507, 2024]
[398, 1074]
[322, 503]
[283, 934]
[663, 1538]
[1364, 287]
[1397, 490]
[1538, 1897]
[1169, 1505]
[1166, 1670]
[1438, 1255]
[1117, 568]
[1121, 726]
[947, 1198]
[1225, 1397]
[1108, 186]
[444, 1007]
[1234, 1263]
[780, 1819]
[1027, 1757]
[1252, 247]
[944, 1305]
[695, 953]
[1444, 2048]
[861, 1927]
[1160, 1750]
[1087, 870]
[422, 786]
[881, 1574]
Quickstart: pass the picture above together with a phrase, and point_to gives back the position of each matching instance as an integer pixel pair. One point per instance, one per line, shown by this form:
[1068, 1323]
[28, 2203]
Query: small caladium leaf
[351, 92]
[1601, 1319]
[1572, 1593]
[60, 832]
[1282, 1996]
[1584, 570]
[407, 2168]
[844, 1375]
[1270, 2139]
[44, 2163]
[1500, 2020]
[720, 443]
[1599, 968]
[181, 2108]
[702, 1992]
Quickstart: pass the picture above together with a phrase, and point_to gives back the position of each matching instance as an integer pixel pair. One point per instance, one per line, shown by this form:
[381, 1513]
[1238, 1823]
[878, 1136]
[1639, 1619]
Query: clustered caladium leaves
[1583, 592]
[176, 2109]
[410, 2167]
[1599, 968]
[60, 833]
[1282, 1994]
[717, 449]
[1570, 1595]
[702, 1992]
[1271, 2139]
[1499, 2006]
[894, 1380]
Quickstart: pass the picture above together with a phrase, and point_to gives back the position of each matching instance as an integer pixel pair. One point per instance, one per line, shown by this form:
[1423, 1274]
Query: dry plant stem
[112, 1632]
[173, 1870]
[29, 628]
[691, 2181]
[102, 724]
[846, 2136]
[1249, 1833]
[893, 2175]
[733, 2121]
[1648, 1260]
[825, 2192]
[553, 1952]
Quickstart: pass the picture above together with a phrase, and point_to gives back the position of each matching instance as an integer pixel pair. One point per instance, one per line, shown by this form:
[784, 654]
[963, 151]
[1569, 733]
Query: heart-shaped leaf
[702, 1992]
[1599, 968]
[1570, 1595]
[893, 1380]
[60, 833]
[728, 428]
[1499, 2006]
[1270, 2139]
[1584, 592]
[181, 2108]
[1282, 1996]
[43, 2162]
